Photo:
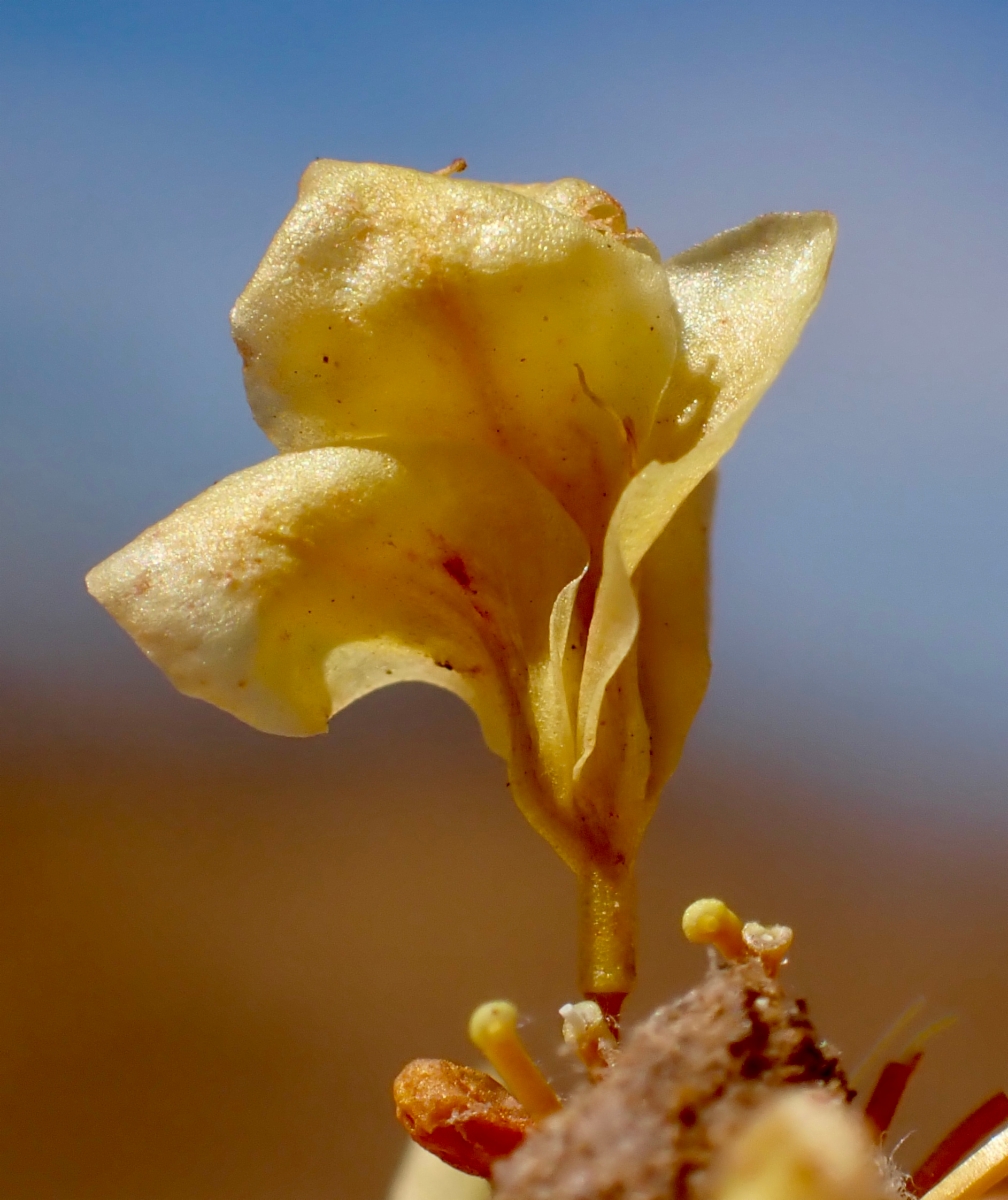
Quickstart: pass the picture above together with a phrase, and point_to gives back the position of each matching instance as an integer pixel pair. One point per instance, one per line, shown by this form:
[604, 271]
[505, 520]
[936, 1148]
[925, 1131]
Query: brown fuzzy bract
[686, 1083]
[463, 1116]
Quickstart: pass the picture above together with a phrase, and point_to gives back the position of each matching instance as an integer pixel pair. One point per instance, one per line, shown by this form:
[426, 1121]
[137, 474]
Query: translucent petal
[610, 792]
[672, 643]
[291, 588]
[394, 302]
[743, 299]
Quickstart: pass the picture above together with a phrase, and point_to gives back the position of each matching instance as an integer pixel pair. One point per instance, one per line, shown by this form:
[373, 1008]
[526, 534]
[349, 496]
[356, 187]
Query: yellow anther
[587, 1032]
[712, 922]
[768, 943]
[493, 1029]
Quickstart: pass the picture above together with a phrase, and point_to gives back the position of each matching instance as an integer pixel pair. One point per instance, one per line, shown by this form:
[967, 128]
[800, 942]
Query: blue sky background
[861, 571]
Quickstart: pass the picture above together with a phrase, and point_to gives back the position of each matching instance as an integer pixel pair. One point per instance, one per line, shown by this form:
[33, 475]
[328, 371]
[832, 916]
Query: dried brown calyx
[687, 1083]
[683, 1085]
[726, 1094]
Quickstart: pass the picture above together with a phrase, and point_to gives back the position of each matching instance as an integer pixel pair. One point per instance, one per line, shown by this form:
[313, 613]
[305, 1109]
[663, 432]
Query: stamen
[932, 1030]
[892, 1083]
[712, 922]
[587, 1032]
[885, 1044]
[980, 1123]
[768, 943]
[980, 1172]
[455, 167]
[493, 1029]
[888, 1092]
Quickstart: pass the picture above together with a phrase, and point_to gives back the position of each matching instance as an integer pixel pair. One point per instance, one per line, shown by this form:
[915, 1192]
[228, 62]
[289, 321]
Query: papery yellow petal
[551, 691]
[610, 791]
[672, 642]
[394, 302]
[592, 205]
[294, 587]
[743, 299]
[578, 198]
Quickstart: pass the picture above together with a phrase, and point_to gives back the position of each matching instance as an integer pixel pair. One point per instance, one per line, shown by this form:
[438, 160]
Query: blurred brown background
[217, 948]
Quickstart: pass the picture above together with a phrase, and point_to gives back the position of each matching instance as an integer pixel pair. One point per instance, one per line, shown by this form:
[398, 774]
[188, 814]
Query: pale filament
[493, 1029]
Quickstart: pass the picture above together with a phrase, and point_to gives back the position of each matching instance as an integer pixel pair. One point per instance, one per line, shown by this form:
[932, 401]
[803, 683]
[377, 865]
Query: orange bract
[463, 1116]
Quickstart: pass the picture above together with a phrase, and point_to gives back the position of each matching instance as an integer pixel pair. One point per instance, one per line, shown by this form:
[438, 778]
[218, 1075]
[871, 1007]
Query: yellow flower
[498, 413]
